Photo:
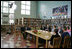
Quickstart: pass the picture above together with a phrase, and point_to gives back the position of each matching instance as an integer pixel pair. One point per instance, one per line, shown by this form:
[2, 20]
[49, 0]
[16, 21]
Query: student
[49, 29]
[54, 36]
[47, 26]
[69, 30]
[28, 28]
[60, 30]
[65, 33]
[54, 27]
[42, 27]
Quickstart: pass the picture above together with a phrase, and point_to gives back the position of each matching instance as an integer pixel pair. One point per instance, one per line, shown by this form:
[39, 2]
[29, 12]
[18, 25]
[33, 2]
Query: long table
[43, 34]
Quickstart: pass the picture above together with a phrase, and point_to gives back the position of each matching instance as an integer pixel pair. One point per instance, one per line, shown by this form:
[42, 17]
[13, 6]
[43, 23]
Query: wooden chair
[67, 42]
[56, 43]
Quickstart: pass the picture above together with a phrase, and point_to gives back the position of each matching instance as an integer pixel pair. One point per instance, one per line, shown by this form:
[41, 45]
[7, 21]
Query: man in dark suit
[23, 31]
[28, 28]
[43, 27]
[54, 36]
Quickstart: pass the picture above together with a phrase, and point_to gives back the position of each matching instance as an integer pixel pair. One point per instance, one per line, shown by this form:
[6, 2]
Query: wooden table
[44, 35]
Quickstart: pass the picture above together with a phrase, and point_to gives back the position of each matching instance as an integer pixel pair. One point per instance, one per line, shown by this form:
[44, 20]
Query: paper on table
[46, 32]
[46, 36]
[52, 33]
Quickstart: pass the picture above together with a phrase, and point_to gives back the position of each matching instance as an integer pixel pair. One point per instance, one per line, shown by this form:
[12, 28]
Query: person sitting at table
[49, 29]
[60, 31]
[54, 27]
[53, 36]
[43, 27]
[28, 28]
[65, 33]
[69, 30]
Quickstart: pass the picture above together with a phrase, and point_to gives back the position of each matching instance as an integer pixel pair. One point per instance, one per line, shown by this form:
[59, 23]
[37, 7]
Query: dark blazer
[61, 31]
[23, 29]
[28, 28]
[53, 36]
[63, 35]
[42, 28]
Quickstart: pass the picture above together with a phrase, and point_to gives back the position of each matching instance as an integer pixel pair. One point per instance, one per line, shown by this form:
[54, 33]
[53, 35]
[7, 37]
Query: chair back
[67, 42]
[57, 42]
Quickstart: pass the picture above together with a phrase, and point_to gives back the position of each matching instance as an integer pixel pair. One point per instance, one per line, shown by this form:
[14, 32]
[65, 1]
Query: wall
[33, 10]
[18, 14]
[45, 8]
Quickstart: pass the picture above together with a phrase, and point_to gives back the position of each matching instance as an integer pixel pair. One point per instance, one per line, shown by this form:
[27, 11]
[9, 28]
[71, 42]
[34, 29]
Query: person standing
[23, 31]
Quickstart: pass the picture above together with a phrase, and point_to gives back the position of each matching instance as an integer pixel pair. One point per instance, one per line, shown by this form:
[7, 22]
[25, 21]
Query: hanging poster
[63, 10]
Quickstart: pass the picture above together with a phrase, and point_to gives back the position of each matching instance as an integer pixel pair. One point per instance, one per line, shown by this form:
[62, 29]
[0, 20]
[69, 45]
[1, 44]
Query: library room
[35, 24]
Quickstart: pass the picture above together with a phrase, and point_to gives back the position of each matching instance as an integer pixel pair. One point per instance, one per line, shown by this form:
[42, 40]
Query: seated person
[69, 30]
[54, 36]
[49, 29]
[60, 30]
[54, 27]
[65, 33]
[43, 27]
[28, 28]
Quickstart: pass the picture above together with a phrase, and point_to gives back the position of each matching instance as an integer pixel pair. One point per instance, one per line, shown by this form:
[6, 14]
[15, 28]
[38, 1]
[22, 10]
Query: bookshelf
[16, 21]
[20, 21]
[35, 22]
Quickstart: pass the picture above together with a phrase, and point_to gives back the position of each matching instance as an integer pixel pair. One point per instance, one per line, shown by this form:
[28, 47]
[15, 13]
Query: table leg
[28, 37]
[36, 42]
[32, 38]
[46, 43]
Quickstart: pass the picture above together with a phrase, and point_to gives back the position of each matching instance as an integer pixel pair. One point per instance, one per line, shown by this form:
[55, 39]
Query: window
[1, 3]
[1, 18]
[8, 7]
[1, 12]
[25, 7]
[11, 18]
[5, 4]
[5, 10]
[11, 11]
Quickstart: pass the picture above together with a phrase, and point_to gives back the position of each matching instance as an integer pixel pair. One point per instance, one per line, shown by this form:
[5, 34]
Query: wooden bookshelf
[34, 22]
[16, 21]
[20, 21]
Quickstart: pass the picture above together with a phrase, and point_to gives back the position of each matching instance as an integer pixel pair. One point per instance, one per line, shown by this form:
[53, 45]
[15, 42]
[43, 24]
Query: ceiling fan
[12, 6]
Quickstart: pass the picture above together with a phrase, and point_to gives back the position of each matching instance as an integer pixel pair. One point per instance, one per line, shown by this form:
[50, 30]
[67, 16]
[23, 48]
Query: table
[44, 35]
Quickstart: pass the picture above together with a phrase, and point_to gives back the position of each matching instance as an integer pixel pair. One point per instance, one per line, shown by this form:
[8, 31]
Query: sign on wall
[63, 10]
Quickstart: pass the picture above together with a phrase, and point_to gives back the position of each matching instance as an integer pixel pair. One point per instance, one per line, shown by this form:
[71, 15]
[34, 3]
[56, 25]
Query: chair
[56, 43]
[67, 42]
